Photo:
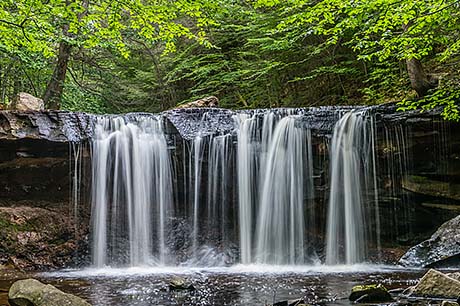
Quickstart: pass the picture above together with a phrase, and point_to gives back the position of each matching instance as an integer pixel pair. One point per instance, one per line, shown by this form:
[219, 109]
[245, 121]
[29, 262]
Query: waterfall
[243, 195]
[275, 181]
[131, 193]
[212, 155]
[353, 175]
[198, 151]
[281, 220]
[246, 183]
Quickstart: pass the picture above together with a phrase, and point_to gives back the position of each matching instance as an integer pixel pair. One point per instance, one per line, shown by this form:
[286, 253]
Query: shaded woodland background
[150, 55]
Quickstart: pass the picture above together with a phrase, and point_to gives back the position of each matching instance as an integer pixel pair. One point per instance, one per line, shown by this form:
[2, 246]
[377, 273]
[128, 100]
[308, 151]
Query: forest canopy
[151, 55]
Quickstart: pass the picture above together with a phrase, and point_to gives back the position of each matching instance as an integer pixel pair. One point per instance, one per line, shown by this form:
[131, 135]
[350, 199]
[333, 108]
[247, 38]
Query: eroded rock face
[55, 126]
[31, 292]
[26, 102]
[38, 217]
[443, 245]
[430, 187]
[37, 238]
[436, 285]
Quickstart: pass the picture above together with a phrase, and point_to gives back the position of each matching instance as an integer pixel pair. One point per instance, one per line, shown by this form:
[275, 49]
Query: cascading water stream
[246, 167]
[281, 220]
[275, 181]
[132, 183]
[353, 174]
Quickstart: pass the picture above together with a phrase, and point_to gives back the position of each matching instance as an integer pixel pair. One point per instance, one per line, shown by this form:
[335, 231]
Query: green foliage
[34, 29]
[151, 55]
[446, 97]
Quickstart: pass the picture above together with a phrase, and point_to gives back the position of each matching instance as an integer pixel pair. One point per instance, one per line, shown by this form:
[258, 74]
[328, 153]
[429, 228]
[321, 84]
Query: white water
[198, 152]
[236, 269]
[275, 181]
[132, 184]
[281, 219]
[246, 167]
[267, 167]
[353, 173]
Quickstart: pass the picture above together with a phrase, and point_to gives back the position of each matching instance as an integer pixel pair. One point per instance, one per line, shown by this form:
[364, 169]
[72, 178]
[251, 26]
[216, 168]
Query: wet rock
[436, 285]
[297, 302]
[31, 292]
[370, 294]
[210, 101]
[426, 186]
[26, 102]
[449, 303]
[33, 238]
[179, 283]
[203, 121]
[440, 247]
[454, 275]
[55, 126]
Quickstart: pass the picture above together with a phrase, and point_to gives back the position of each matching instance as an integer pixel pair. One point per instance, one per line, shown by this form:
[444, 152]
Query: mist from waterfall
[353, 175]
[131, 193]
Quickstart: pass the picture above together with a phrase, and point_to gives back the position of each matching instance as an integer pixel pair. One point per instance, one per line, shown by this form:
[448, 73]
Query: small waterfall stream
[286, 184]
[132, 192]
[353, 171]
[274, 182]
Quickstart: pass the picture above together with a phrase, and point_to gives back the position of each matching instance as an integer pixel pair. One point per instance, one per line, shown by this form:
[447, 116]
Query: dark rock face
[39, 226]
[443, 245]
[191, 122]
[55, 126]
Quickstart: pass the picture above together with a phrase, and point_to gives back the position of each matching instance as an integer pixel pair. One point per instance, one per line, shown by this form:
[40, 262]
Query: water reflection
[239, 285]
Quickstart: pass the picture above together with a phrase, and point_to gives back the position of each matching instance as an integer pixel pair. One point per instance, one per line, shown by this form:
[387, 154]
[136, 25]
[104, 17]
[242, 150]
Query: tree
[58, 29]
[383, 31]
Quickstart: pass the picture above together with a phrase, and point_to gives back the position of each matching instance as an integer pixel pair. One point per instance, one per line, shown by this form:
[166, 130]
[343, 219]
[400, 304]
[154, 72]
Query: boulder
[31, 292]
[211, 101]
[442, 246]
[435, 284]
[370, 294]
[26, 102]
[178, 283]
[449, 303]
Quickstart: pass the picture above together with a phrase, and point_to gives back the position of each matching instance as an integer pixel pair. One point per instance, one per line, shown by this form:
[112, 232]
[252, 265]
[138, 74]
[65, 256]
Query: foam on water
[252, 269]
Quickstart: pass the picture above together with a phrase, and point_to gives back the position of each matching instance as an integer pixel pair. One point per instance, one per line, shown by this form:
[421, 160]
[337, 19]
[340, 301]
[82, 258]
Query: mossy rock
[31, 292]
[375, 293]
[178, 283]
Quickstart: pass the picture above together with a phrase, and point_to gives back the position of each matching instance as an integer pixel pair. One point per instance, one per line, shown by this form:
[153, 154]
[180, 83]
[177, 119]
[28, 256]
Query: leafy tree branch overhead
[387, 32]
[59, 28]
[151, 55]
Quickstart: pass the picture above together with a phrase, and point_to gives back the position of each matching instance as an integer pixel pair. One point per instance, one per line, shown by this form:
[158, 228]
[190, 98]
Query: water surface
[237, 285]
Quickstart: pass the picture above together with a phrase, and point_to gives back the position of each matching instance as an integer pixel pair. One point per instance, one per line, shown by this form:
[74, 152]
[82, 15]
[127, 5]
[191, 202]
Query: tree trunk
[53, 92]
[419, 80]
